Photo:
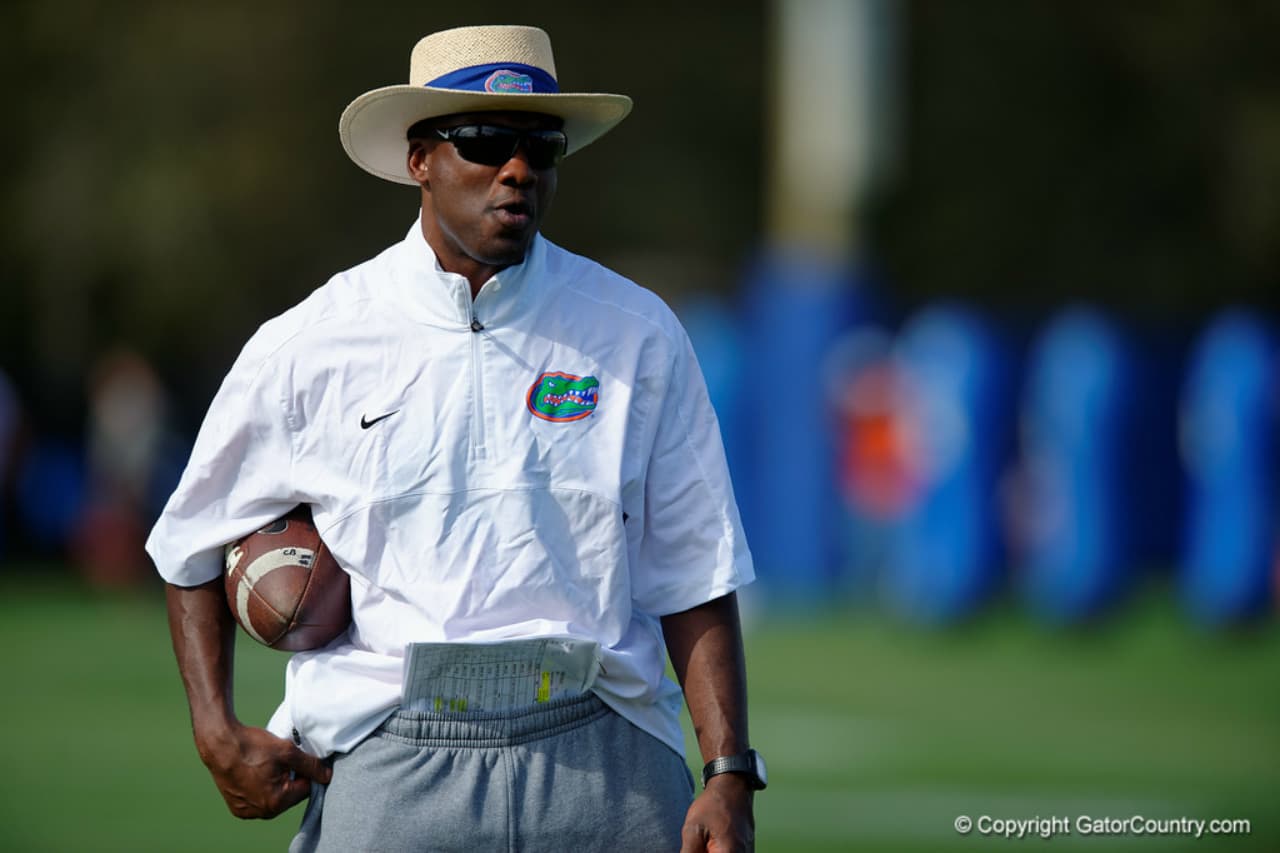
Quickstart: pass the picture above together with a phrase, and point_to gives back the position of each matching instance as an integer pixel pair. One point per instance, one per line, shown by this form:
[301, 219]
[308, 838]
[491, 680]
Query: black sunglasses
[493, 146]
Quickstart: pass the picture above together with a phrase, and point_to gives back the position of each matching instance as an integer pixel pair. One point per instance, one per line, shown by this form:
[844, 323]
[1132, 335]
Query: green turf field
[877, 736]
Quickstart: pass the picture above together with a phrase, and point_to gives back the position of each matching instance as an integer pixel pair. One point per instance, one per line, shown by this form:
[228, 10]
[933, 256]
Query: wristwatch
[749, 764]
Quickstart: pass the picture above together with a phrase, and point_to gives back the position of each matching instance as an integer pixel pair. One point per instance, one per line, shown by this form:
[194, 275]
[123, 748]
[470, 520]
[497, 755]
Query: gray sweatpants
[568, 775]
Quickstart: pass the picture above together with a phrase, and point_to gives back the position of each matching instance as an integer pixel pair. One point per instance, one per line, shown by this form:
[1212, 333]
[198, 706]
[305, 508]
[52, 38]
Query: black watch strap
[748, 763]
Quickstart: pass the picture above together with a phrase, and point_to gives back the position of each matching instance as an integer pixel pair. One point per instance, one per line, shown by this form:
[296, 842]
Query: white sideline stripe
[259, 568]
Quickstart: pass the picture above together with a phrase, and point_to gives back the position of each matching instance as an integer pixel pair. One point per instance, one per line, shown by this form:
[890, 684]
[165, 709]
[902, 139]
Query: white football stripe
[256, 570]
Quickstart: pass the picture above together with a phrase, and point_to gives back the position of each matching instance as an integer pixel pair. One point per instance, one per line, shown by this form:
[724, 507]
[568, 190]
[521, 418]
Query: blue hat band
[507, 78]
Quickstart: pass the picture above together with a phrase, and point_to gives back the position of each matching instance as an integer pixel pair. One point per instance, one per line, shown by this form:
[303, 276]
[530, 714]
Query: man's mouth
[514, 214]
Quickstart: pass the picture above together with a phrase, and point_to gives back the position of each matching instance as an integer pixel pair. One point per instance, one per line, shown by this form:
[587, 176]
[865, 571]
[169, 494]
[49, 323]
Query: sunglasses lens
[488, 150]
[494, 146]
[545, 148]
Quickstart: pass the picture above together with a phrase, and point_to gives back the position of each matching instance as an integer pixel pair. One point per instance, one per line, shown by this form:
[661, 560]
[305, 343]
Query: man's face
[480, 218]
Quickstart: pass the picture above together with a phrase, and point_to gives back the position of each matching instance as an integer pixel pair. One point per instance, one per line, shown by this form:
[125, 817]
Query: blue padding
[945, 554]
[1228, 428]
[796, 305]
[1074, 489]
[714, 330]
[51, 492]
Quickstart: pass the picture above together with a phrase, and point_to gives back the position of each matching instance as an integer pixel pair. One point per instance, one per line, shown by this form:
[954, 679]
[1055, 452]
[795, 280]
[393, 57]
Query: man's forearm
[258, 774]
[705, 645]
[203, 633]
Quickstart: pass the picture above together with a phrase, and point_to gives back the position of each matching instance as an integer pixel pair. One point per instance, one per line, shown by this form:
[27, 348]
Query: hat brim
[373, 126]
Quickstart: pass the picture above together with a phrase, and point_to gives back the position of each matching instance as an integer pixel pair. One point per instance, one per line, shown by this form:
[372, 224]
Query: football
[284, 587]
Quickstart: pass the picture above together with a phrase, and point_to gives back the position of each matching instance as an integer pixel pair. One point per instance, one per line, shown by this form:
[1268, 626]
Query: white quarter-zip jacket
[541, 461]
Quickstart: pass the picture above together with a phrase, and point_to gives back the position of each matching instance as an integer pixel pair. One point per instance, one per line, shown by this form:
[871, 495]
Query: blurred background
[985, 295]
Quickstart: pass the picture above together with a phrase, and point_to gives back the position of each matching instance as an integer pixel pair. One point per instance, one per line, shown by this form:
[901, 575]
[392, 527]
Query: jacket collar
[426, 293]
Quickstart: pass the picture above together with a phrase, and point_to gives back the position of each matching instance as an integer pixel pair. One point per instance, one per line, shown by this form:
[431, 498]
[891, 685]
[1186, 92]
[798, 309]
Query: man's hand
[259, 774]
[720, 819]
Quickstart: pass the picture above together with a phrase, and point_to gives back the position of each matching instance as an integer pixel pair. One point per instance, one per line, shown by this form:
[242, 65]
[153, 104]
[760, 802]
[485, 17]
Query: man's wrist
[749, 766]
[213, 733]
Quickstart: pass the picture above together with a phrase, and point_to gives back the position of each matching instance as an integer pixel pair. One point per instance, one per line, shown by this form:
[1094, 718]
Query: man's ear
[419, 153]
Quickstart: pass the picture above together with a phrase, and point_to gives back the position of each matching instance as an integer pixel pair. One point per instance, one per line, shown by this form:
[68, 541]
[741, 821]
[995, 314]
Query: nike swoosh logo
[365, 423]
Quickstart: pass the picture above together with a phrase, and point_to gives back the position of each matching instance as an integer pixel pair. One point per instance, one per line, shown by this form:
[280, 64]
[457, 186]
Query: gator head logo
[563, 397]
[506, 81]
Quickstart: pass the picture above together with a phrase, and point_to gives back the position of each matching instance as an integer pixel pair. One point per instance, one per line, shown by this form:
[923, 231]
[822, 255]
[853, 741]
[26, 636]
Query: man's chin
[508, 251]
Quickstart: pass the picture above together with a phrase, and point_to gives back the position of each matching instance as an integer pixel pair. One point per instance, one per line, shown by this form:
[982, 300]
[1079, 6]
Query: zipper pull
[476, 325]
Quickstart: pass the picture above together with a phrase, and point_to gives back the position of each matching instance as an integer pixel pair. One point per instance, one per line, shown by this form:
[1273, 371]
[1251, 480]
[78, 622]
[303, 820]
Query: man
[507, 447]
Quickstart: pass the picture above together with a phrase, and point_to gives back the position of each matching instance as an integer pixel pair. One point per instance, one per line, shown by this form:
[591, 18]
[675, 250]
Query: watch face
[758, 760]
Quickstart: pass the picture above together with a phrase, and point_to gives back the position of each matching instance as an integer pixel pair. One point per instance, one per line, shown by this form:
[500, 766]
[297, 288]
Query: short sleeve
[239, 476]
[692, 548]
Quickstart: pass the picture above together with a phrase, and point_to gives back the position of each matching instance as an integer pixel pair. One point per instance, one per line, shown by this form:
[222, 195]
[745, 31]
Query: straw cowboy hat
[470, 69]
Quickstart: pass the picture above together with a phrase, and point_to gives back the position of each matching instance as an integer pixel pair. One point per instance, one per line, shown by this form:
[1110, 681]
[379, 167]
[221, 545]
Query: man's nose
[517, 171]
